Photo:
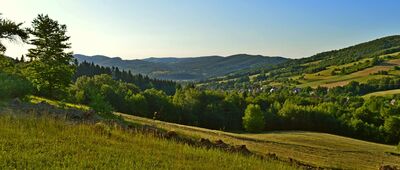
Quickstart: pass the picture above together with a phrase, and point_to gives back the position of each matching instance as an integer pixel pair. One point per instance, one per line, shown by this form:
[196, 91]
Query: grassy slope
[383, 93]
[319, 149]
[36, 100]
[324, 78]
[28, 142]
[315, 148]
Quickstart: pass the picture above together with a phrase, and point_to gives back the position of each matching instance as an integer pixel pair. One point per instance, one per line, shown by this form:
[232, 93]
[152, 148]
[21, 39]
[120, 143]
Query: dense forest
[143, 82]
[52, 72]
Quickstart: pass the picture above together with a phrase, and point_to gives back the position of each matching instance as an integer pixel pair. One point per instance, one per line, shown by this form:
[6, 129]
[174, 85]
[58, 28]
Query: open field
[340, 80]
[30, 142]
[325, 79]
[318, 149]
[383, 93]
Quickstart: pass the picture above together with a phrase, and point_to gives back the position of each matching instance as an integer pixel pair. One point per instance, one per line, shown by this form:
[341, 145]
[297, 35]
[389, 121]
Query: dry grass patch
[319, 149]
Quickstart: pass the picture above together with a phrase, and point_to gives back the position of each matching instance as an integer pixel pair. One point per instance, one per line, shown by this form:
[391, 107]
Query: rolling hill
[316, 149]
[102, 145]
[360, 63]
[186, 69]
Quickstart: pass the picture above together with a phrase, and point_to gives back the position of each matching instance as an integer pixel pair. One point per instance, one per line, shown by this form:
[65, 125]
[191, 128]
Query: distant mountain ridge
[186, 69]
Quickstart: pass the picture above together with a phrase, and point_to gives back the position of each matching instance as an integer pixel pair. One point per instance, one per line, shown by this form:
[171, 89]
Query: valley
[186, 69]
[316, 109]
[327, 69]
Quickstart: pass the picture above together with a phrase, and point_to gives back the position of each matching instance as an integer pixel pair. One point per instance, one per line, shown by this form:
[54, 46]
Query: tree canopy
[52, 68]
[253, 120]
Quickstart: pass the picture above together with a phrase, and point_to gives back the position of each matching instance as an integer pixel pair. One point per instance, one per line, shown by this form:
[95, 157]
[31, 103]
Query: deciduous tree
[253, 120]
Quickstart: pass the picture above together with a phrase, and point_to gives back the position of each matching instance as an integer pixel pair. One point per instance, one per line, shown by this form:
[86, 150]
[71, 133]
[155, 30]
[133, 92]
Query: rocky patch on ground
[43, 108]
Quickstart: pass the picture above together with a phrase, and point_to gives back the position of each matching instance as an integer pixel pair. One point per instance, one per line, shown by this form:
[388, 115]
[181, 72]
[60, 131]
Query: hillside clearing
[324, 78]
[318, 149]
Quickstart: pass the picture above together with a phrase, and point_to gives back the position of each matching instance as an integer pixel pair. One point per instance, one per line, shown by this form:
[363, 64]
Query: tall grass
[30, 142]
[319, 149]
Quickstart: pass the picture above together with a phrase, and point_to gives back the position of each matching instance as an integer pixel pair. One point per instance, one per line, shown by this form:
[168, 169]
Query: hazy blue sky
[156, 28]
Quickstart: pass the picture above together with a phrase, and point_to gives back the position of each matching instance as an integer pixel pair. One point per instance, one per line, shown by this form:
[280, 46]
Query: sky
[134, 29]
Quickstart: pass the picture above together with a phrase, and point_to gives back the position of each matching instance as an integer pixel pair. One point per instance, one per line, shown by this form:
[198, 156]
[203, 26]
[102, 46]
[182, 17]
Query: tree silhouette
[11, 31]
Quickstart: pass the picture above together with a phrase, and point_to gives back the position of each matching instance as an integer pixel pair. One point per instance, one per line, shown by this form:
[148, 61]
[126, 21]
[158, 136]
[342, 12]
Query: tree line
[142, 81]
[374, 119]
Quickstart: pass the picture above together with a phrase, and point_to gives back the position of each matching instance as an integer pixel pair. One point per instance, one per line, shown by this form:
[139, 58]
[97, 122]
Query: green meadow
[31, 142]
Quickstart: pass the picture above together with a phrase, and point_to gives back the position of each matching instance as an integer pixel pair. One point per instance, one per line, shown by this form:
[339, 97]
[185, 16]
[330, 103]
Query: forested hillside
[193, 69]
[143, 82]
[335, 65]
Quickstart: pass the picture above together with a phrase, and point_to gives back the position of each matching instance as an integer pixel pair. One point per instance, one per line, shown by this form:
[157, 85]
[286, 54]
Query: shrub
[12, 86]
[98, 104]
[392, 126]
[137, 105]
[253, 120]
